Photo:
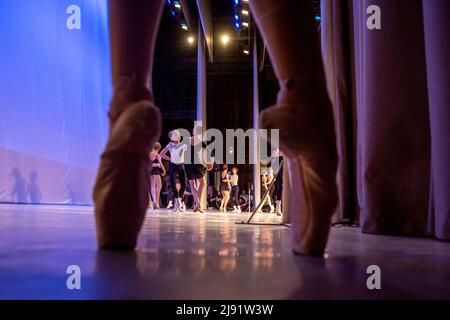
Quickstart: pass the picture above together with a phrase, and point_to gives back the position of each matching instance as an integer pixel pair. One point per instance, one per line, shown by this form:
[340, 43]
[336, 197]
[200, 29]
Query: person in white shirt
[266, 180]
[177, 150]
[234, 179]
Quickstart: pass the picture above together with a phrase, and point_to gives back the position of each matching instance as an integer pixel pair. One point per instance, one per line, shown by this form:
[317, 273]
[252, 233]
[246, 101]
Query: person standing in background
[234, 179]
[156, 171]
[177, 151]
[225, 188]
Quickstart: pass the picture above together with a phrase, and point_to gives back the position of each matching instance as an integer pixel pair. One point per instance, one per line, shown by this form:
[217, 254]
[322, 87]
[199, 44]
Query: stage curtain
[337, 44]
[436, 15]
[54, 91]
[399, 78]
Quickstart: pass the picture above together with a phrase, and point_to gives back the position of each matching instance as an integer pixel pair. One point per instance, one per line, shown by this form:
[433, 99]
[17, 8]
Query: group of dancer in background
[190, 164]
[194, 170]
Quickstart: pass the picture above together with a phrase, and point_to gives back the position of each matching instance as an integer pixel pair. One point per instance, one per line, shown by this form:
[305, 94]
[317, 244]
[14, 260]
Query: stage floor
[208, 256]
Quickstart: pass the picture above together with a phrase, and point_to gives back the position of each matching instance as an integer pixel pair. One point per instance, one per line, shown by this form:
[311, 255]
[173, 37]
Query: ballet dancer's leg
[304, 116]
[222, 202]
[121, 188]
[158, 187]
[182, 178]
[194, 194]
[200, 192]
[152, 191]
[236, 199]
[175, 190]
[226, 199]
[173, 175]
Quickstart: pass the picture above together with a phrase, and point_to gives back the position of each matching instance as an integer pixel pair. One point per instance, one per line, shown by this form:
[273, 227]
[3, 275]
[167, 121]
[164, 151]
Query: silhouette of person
[19, 193]
[34, 189]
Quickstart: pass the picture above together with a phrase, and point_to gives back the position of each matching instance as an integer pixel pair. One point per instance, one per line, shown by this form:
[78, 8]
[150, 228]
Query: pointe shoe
[272, 209]
[121, 188]
[278, 208]
[169, 205]
[307, 138]
[176, 205]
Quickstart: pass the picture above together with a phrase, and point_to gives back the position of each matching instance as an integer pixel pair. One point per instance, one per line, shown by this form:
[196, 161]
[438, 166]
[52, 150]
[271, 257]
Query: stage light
[184, 26]
[225, 39]
[318, 18]
[245, 24]
[177, 5]
[246, 51]
[245, 1]
[190, 39]
[237, 25]
[236, 2]
[245, 12]
[236, 17]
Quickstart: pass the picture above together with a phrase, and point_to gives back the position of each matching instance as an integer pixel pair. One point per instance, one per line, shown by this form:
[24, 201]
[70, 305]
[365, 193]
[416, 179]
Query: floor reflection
[193, 256]
[197, 244]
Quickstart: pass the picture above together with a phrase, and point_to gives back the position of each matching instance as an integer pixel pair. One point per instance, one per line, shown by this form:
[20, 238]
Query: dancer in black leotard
[275, 163]
[156, 170]
[225, 188]
[196, 167]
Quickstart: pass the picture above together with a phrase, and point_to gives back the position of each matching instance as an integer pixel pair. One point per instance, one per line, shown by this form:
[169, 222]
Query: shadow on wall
[33, 188]
[24, 192]
[19, 192]
[76, 192]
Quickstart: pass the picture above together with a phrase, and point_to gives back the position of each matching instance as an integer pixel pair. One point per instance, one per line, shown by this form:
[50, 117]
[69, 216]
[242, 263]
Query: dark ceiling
[229, 77]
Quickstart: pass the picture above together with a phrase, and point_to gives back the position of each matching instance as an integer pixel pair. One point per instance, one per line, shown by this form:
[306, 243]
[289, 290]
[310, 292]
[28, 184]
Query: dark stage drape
[390, 89]
[337, 51]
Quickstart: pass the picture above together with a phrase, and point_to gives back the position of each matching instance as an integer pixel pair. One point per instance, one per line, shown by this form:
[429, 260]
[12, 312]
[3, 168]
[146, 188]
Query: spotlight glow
[245, 12]
[225, 39]
[245, 24]
[190, 39]
[246, 51]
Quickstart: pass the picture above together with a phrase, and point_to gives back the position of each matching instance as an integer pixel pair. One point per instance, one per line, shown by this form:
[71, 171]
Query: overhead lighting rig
[176, 11]
[241, 23]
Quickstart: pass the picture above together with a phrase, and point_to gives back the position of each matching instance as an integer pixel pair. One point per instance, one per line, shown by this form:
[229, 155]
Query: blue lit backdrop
[54, 90]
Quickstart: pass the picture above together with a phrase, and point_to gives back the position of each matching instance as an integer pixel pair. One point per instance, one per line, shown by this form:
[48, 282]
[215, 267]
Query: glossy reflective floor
[208, 256]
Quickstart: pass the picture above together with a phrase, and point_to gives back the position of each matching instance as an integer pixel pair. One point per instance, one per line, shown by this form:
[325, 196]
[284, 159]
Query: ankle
[128, 88]
[293, 91]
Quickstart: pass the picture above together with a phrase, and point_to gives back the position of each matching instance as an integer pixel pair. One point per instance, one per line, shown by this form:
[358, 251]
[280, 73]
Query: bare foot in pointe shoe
[307, 138]
[121, 188]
